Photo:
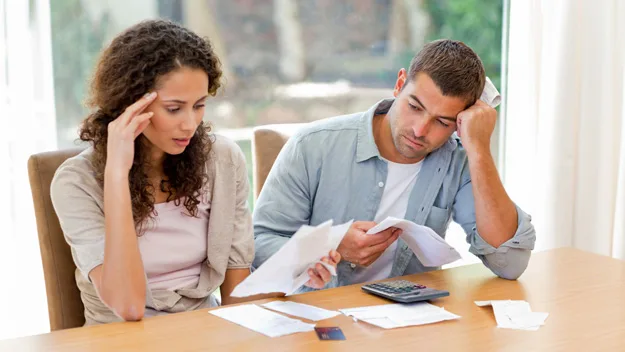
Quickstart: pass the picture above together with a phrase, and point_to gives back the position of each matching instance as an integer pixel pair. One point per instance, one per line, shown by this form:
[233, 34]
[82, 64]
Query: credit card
[330, 333]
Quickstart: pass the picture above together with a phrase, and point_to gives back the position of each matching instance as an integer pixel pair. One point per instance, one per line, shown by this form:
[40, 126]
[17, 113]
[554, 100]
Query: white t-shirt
[400, 181]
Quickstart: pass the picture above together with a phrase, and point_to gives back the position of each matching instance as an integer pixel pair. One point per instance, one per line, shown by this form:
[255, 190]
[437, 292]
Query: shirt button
[352, 265]
[381, 184]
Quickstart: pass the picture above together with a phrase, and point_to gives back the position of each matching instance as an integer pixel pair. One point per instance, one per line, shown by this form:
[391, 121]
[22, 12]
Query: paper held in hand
[287, 270]
[430, 248]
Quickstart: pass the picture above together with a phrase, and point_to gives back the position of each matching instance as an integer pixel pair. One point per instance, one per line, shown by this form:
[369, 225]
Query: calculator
[403, 291]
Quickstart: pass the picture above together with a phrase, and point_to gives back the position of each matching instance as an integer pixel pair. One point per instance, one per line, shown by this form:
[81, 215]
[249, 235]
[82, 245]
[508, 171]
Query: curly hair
[126, 70]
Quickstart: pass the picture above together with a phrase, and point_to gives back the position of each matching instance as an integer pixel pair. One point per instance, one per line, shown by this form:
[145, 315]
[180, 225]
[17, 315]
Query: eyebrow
[424, 108]
[178, 101]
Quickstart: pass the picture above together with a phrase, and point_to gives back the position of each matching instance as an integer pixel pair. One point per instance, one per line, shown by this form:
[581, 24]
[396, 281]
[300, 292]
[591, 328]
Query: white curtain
[27, 127]
[564, 132]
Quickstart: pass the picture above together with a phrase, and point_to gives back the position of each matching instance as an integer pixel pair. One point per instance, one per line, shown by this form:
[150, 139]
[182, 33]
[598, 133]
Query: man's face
[422, 118]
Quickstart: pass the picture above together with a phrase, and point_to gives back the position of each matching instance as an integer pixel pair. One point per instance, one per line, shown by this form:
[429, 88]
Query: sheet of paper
[301, 310]
[390, 316]
[427, 245]
[261, 320]
[287, 270]
[529, 321]
[516, 315]
[490, 94]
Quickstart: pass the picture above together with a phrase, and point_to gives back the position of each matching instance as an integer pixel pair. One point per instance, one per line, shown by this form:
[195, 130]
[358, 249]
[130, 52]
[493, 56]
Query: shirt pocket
[438, 220]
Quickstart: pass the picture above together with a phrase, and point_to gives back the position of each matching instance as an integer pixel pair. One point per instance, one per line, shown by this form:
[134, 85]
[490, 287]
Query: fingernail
[149, 95]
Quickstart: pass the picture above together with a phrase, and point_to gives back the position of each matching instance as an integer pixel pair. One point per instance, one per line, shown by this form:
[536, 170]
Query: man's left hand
[319, 275]
[475, 126]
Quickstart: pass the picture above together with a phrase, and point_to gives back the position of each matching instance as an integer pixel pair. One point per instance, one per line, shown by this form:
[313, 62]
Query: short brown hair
[453, 66]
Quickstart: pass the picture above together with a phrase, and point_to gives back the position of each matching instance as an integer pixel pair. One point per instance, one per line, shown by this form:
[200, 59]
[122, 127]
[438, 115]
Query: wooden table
[583, 293]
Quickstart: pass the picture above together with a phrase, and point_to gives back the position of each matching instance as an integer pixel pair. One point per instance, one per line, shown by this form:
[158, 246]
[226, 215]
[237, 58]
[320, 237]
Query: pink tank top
[173, 248]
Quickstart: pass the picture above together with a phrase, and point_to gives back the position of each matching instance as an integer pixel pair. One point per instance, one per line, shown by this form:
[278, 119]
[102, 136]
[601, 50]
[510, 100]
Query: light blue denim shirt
[332, 169]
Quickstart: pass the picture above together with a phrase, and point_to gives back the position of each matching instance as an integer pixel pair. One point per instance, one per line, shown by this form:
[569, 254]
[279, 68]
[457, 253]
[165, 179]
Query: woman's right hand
[122, 133]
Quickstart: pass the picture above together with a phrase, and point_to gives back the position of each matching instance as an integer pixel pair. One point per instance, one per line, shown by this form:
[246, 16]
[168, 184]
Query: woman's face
[178, 110]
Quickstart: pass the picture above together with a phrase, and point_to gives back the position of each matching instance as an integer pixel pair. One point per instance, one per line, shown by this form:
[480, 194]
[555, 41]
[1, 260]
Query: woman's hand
[122, 133]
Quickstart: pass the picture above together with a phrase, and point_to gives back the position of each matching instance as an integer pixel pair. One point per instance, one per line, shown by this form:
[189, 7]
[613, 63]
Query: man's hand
[475, 126]
[320, 276]
[359, 248]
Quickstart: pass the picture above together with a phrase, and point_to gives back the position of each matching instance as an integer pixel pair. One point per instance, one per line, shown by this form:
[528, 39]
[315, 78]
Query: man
[400, 158]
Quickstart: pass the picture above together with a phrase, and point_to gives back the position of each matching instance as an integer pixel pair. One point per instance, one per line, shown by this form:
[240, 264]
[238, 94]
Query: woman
[155, 211]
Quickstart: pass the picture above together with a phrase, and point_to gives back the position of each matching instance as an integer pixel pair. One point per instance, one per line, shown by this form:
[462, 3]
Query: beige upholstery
[65, 307]
[267, 142]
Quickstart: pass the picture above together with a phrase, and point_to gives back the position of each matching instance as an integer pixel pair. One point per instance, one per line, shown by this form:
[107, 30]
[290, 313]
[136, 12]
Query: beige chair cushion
[267, 142]
[65, 307]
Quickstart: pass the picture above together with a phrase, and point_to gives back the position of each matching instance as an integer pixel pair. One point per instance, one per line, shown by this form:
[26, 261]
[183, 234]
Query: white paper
[529, 321]
[261, 320]
[384, 323]
[516, 315]
[301, 310]
[287, 270]
[390, 316]
[490, 94]
[427, 245]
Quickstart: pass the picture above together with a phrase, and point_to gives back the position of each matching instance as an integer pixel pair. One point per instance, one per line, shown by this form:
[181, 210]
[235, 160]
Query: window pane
[284, 60]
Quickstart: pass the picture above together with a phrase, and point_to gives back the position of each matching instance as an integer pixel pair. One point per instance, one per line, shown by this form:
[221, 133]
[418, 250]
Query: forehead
[183, 81]
[429, 94]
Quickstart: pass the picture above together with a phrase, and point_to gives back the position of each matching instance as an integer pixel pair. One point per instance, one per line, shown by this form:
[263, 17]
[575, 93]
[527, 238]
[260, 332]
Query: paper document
[301, 310]
[430, 248]
[287, 270]
[515, 315]
[389, 316]
[490, 94]
[263, 321]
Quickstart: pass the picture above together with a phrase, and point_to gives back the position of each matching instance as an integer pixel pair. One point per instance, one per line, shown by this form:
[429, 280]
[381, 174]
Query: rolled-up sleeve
[510, 259]
[80, 216]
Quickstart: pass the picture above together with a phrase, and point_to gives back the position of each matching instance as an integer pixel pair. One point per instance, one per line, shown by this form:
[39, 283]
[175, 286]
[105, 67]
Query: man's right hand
[359, 248]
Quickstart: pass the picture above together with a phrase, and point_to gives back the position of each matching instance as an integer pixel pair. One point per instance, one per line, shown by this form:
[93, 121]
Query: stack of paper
[287, 270]
[515, 315]
[430, 248]
[301, 310]
[261, 320]
[389, 316]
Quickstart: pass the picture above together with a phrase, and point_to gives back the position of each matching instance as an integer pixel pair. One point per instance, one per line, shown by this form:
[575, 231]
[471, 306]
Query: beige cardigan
[78, 200]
